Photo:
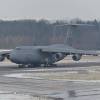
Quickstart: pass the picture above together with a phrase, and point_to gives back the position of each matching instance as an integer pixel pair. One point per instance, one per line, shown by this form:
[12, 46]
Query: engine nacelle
[2, 58]
[76, 57]
[8, 57]
[54, 58]
[58, 56]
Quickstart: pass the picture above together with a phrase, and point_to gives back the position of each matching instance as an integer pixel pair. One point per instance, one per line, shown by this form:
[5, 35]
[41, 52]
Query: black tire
[21, 66]
[34, 65]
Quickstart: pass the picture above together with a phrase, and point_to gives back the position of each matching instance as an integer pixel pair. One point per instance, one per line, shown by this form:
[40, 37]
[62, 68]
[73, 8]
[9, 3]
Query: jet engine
[58, 56]
[8, 57]
[2, 57]
[76, 57]
[54, 58]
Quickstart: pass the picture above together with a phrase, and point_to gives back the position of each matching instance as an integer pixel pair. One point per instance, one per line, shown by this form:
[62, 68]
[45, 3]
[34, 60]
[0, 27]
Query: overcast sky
[49, 9]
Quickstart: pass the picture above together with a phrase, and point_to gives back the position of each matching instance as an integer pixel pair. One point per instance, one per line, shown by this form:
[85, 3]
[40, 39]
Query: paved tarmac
[51, 83]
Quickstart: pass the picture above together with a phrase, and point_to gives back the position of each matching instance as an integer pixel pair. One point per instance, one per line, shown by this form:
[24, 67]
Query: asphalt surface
[37, 82]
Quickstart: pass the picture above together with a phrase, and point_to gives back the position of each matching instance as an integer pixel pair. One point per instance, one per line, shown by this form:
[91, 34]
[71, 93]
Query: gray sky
[49, 9]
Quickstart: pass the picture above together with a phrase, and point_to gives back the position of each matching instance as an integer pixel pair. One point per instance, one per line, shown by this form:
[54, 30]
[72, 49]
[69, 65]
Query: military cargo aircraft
[46, 55]
[43, 55]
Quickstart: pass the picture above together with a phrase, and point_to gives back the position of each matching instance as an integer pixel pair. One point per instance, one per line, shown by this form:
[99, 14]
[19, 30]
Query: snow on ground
[7, 95]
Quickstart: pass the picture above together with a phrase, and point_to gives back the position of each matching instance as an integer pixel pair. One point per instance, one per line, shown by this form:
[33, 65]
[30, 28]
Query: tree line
[44, 32]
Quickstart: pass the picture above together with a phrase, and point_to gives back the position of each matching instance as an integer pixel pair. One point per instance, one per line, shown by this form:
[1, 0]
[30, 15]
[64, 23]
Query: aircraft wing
[4, 52]
[68, 50]
[75, 25]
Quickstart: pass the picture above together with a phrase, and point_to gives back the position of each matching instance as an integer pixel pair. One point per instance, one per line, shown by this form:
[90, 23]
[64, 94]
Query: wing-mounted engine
[52, 58]
[4, 54]
[2, 58]
[8, 56]
[58, 56]
[76, 57]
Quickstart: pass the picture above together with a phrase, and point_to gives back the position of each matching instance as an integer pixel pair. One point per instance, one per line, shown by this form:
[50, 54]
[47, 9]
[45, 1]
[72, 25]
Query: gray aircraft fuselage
[33, 55]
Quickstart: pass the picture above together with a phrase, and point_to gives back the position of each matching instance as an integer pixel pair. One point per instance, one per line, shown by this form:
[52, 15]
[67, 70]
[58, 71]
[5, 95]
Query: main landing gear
[28, 66]
[21, 66]
[36, 65]
[49, 65]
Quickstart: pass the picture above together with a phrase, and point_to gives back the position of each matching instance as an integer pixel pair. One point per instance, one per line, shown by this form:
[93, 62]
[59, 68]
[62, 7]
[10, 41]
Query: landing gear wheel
[21, 66]
[33, 65]
[45, 65]
[53, 65]
[49, 65]
[30, 66]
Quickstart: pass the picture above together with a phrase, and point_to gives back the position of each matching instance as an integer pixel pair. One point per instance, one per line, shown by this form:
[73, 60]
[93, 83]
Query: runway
[68, 81]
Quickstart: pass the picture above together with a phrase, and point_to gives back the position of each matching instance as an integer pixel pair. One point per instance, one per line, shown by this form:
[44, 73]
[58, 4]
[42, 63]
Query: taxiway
[68, 81]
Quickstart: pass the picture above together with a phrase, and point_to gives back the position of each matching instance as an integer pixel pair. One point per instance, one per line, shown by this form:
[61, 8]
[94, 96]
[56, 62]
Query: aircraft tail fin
[69, 31]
